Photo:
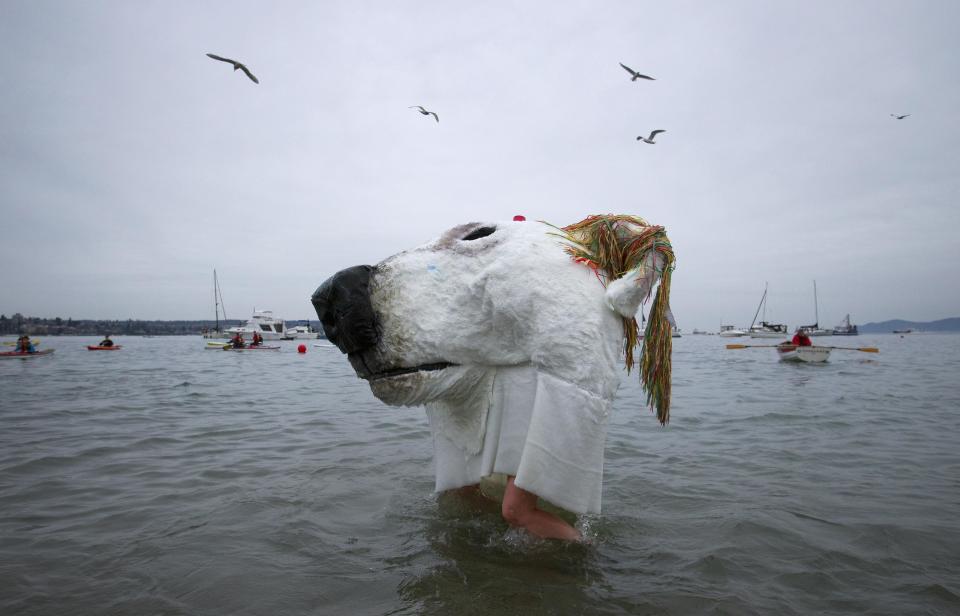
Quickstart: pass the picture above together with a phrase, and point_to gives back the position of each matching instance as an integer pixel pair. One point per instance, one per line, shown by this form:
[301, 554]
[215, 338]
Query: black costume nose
[343, 305]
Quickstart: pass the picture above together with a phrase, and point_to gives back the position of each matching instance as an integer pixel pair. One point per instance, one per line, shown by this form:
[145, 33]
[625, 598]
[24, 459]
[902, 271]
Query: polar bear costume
[511, 334]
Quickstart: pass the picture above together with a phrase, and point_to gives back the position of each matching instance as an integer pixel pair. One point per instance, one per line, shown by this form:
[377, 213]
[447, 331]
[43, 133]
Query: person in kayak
[24, 345]
[257, 339]
[106, 342]
[801, 339]
[237, 341]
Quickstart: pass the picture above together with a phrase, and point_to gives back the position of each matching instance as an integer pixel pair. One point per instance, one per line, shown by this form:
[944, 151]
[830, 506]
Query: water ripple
[175, 480]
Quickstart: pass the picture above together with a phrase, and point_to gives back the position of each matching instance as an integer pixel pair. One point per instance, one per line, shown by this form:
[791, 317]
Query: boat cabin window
[277, 328]
[265, 328]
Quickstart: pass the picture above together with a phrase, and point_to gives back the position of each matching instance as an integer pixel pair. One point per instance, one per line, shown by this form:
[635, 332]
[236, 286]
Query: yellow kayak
[33, 341]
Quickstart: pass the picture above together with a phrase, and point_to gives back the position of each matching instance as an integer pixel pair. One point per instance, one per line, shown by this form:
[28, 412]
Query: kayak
[808, 354]
[22, 355]
[115, 347]
[253, 348]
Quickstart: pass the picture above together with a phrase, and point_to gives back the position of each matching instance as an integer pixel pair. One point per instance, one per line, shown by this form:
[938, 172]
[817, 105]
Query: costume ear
[625, 294]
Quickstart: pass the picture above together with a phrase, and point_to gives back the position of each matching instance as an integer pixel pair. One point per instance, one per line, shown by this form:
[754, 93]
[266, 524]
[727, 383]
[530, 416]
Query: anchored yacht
[263, 322]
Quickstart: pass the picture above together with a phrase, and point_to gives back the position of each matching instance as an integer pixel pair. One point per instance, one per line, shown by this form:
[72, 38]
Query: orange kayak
[115, 347]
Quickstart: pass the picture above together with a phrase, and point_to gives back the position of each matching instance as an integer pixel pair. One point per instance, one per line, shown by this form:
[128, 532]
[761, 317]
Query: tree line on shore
[36, 326]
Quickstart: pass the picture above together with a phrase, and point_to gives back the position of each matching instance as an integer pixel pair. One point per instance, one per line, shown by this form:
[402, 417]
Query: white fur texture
[533, 335]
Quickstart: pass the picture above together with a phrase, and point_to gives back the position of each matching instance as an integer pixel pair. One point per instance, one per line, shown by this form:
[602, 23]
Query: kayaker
[24, 345]
[801, 339]
[106, 342]
[257, 339]
[237, 341]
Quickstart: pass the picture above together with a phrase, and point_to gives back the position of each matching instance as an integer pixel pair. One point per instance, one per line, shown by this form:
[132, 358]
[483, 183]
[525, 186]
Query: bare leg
[520, 510]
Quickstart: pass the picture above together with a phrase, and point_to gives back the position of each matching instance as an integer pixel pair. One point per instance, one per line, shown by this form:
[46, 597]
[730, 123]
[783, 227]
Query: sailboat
[815, 329]
[217, 304]
[765, 329]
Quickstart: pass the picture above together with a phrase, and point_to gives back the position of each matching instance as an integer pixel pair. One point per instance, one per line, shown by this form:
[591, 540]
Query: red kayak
[22, 355]
[115, 347]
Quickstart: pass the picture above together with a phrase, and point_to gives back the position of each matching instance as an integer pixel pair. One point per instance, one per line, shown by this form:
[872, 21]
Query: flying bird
[236, 65]
[899, 117]
[424, 111]
[634, 75]
[651, 137]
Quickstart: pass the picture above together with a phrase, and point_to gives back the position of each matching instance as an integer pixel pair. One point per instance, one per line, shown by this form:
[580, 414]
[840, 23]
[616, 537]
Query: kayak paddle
[773, 346]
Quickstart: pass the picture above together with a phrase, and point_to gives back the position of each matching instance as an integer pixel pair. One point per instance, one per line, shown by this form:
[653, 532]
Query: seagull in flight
[899, 117]
[236, 65]
[634, 75]
[649, 139]
[424, 111]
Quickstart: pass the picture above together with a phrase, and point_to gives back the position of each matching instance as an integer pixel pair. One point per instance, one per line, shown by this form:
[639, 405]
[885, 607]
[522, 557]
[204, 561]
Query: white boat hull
[757, 334]
[732, 333]
[808, 354]
[263, 323]
[301, 332]
[247, 333]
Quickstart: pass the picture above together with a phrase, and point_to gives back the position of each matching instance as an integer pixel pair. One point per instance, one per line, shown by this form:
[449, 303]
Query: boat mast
[216, 305]
[761, 305]
[223, 308]
[218, 302]
[816, 307]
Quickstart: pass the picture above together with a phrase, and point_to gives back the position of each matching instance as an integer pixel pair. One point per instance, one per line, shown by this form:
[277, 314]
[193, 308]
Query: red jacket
[801, 340]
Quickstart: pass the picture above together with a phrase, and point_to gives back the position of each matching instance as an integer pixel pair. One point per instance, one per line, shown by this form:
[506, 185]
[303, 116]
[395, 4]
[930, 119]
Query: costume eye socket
[478, 233]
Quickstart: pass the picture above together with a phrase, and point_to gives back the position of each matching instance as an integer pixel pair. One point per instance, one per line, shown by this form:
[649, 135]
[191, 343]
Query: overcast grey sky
[131, 165]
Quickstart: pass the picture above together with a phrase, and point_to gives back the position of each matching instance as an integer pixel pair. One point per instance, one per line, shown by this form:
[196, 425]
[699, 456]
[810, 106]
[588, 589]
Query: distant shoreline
[19, 324]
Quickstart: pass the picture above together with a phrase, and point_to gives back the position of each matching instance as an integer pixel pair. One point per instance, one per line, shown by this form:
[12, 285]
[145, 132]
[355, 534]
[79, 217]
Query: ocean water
[168, 479]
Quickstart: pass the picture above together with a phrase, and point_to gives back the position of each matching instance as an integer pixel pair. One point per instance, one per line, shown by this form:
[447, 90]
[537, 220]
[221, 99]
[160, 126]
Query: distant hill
[943, 325]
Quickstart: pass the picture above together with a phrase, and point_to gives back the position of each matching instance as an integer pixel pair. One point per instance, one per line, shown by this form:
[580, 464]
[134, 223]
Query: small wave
[805, 516]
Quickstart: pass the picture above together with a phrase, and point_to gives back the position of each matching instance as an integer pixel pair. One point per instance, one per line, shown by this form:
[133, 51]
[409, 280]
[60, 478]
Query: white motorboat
[263, 322]
[731, 331]
[301, 332]
[808, 354]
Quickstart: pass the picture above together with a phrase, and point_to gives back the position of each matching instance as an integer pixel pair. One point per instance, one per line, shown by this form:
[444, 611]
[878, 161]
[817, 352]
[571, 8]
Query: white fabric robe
[547, 432]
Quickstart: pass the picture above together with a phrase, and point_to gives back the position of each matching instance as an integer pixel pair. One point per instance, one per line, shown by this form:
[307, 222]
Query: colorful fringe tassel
[612, 246]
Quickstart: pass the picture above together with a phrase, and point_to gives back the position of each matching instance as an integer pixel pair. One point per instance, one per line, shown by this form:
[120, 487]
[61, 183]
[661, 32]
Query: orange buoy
[302, 348]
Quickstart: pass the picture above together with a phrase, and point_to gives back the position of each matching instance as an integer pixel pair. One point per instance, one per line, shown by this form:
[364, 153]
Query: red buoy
[302, 348]
[520, 217]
